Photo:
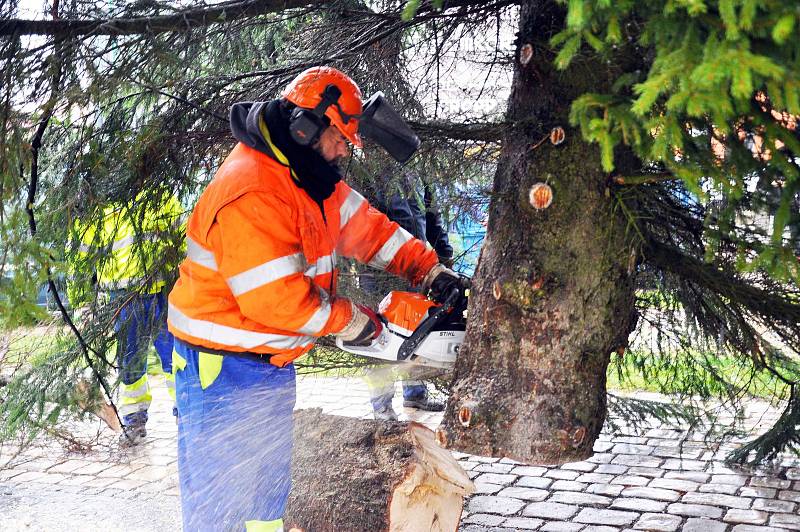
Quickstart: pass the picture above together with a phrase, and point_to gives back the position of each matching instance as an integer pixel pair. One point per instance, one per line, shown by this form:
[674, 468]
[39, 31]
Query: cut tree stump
[354, 474]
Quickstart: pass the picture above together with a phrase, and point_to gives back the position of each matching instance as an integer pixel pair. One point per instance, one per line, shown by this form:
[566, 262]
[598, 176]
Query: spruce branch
[36, 143]
[783, 435]
[182, 21]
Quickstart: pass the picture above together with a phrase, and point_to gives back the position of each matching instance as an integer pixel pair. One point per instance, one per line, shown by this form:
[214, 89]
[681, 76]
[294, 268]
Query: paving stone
[467, 465]
[785, 521]
[68, 467]
[561, 526]
[717, 467]
[718, 499]
[755, 528]
[482, 459]
[738, 480]
[694, 510]
[793, 473]
[8, 474]
[658, 522]
[526, 494]
[595, 478]
[657, 494]
[529, 471]
[561, 474]
[523, 523]
[92, 468]
[534, 482]
[40, 464]
[768, 482]
[38, 476]
[612, 469]
[677, 452]
[66, 488]
[605, 489]
[487, 489]
[673, 484]
[495, 478]
[789, 495]
[601, 458]
[629, 448]
[484, 519]
[599, 528]
[748, 517]
[550, 510]
[749, 491]
[775, 506]
[639, 505]
[149, 473]
[671, 433]
[75, 480]
[637, 460]
[684, 465]
[494, 505]
[703, 525]
[494, 468]
[693, 476]
[652, 472]
[479, 528]
[581, 499]
[568, 485]
[631, 480]
[725, 489]
[127, 484]
[584, 467]
[638, 440]
[119, 471]
[602, 446]
[605, 517]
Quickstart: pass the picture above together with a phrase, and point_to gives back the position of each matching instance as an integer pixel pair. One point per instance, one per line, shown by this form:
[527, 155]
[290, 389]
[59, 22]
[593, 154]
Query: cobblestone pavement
[662, 480]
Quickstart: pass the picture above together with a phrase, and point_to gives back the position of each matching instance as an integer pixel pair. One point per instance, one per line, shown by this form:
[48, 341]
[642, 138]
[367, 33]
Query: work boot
[424, 403]
[385, 413]
[132, 435]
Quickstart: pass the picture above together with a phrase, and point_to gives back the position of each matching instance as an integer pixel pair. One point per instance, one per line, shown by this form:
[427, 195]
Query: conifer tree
[675, 221]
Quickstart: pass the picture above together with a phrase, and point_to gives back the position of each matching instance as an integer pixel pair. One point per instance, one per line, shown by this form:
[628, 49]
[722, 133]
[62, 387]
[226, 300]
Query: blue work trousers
[142, 319]
[234, 439]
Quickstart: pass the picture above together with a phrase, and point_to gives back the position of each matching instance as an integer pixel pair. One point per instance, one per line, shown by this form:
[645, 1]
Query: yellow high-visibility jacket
[127, 252]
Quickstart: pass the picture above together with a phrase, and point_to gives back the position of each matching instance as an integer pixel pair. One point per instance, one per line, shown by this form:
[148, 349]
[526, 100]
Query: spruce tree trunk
[553, 293]
[355, 474]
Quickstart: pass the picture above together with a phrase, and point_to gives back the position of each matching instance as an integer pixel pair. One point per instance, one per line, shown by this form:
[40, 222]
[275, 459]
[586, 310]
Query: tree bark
[553, 293]
[352, 474]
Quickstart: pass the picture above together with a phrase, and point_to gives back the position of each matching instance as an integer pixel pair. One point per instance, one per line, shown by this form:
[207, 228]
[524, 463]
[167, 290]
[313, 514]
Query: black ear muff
[306, 125]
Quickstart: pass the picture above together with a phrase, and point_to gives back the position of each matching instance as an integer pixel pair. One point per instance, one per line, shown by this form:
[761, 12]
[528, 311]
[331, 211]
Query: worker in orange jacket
[258, 287]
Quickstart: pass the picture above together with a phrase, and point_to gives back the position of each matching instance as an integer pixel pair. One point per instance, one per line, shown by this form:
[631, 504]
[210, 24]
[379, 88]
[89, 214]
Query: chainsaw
[417, 330]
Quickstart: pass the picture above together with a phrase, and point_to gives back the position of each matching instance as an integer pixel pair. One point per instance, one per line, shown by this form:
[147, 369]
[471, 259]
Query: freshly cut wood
[355, 474]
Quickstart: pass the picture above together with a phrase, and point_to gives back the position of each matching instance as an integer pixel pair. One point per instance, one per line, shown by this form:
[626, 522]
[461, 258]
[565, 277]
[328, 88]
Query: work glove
[440, 281]
[447, 261]
[364, 327]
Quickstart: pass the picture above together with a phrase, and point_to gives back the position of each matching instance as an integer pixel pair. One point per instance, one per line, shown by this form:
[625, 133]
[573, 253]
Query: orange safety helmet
[306, 91]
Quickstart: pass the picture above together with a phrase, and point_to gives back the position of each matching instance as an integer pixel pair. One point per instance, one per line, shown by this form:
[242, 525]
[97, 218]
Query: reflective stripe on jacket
[132, 247]
[260, 273]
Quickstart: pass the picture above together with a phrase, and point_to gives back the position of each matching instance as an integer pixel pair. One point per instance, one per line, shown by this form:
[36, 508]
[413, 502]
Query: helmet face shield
[380, 123]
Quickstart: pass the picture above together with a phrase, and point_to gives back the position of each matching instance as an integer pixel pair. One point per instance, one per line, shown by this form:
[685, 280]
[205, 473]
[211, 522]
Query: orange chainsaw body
[405, 310]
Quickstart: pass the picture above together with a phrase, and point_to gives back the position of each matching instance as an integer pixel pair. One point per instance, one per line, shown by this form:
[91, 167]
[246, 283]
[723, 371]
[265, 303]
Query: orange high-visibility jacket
[260, 272]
